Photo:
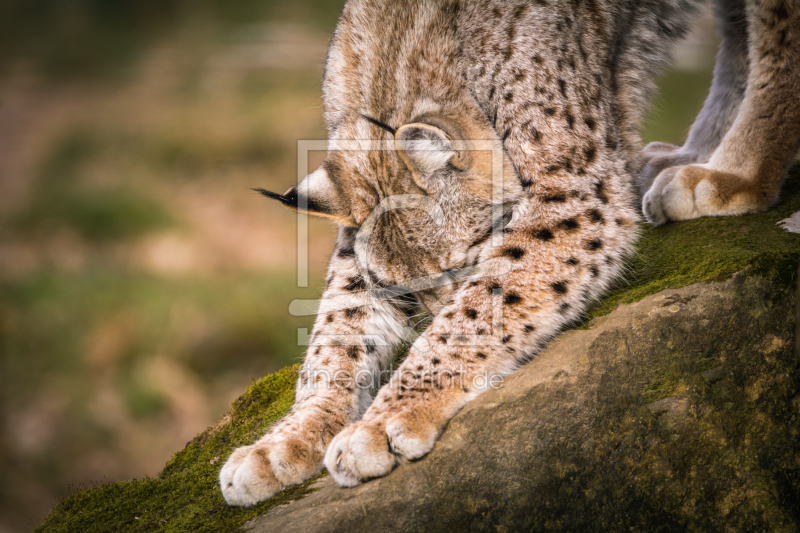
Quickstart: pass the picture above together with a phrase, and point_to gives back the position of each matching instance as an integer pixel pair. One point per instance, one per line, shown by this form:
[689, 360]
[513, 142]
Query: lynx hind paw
[370, 449]
[256, 473]
[655, 158]
[665, 197]
[693, 191]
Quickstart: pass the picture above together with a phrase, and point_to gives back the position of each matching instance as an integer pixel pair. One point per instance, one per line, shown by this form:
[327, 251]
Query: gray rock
[676, 413]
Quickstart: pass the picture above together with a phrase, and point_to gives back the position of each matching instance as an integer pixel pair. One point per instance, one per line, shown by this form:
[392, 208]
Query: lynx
[414, 92]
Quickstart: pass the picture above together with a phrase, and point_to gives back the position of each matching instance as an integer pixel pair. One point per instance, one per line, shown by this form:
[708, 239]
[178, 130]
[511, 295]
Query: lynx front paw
[372, 448]
[256, 473]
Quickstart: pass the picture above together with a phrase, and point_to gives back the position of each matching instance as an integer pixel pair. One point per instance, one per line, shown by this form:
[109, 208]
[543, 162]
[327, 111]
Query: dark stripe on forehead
[380, 124]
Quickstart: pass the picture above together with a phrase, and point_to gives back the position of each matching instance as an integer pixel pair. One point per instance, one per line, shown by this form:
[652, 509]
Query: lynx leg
[720, 108]
[745, 172]
[354, 337]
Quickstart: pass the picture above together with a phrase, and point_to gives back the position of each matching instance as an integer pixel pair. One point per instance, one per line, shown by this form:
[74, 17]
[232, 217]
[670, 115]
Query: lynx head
[417, 200]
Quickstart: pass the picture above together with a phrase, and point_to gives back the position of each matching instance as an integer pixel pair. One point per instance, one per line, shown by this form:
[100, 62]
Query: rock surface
[676, 413]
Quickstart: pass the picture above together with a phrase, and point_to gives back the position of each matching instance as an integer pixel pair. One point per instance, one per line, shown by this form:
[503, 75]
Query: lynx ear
[315, 195]
[426, 149]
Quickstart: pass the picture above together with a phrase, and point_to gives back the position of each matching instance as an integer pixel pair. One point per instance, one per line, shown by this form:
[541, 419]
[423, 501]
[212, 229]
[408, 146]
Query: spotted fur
[560, 88]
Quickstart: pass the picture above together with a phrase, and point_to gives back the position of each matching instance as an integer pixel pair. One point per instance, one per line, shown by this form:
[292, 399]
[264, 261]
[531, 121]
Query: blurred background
[143, 286]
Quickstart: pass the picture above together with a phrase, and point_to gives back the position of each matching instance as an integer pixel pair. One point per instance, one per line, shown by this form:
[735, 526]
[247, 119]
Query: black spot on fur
[594, 244]
[353, 352]
[443, 338]
[600, 192]
[514, 252]
[780, 11]
[449, 314]
[480, 355]
[353, 312]
[570, 119]
[570, 224]
[543, 234]
[594, 271]
[356, 283]
[590, 123]
[470, 313]
[558, 197]
[590, 152]
[564, 307]
[512, 298]
[560, 287]
[619, 221]
[435, 361]
[506, 338]
[562, 86]
[369, 344]
[549, 111]
[329, 318]
[571, 261]
[595, 216]
[528, 328]
[551, 169]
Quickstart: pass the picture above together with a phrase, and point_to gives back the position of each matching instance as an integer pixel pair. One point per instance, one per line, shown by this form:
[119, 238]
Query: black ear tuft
[289, 199]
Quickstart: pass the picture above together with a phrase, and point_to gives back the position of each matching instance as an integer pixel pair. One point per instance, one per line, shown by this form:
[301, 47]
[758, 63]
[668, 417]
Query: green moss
[185, 495]
[711, 249]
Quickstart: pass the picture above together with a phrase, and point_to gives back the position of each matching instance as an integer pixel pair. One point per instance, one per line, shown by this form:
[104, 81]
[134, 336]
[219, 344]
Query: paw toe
[358, 454]
[411, 439]
[247, 477]
[651, 207]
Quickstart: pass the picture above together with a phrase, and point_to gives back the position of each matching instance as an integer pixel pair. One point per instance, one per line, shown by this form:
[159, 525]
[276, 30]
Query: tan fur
[550, 92]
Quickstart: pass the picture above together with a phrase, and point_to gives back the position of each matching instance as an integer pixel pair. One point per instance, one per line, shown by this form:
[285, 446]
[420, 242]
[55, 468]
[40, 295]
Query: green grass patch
[680, 97]
[112, 210]
[100, 38]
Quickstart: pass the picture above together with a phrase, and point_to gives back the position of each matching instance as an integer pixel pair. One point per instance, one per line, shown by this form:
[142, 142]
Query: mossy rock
[676, 413]
[185, 496]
